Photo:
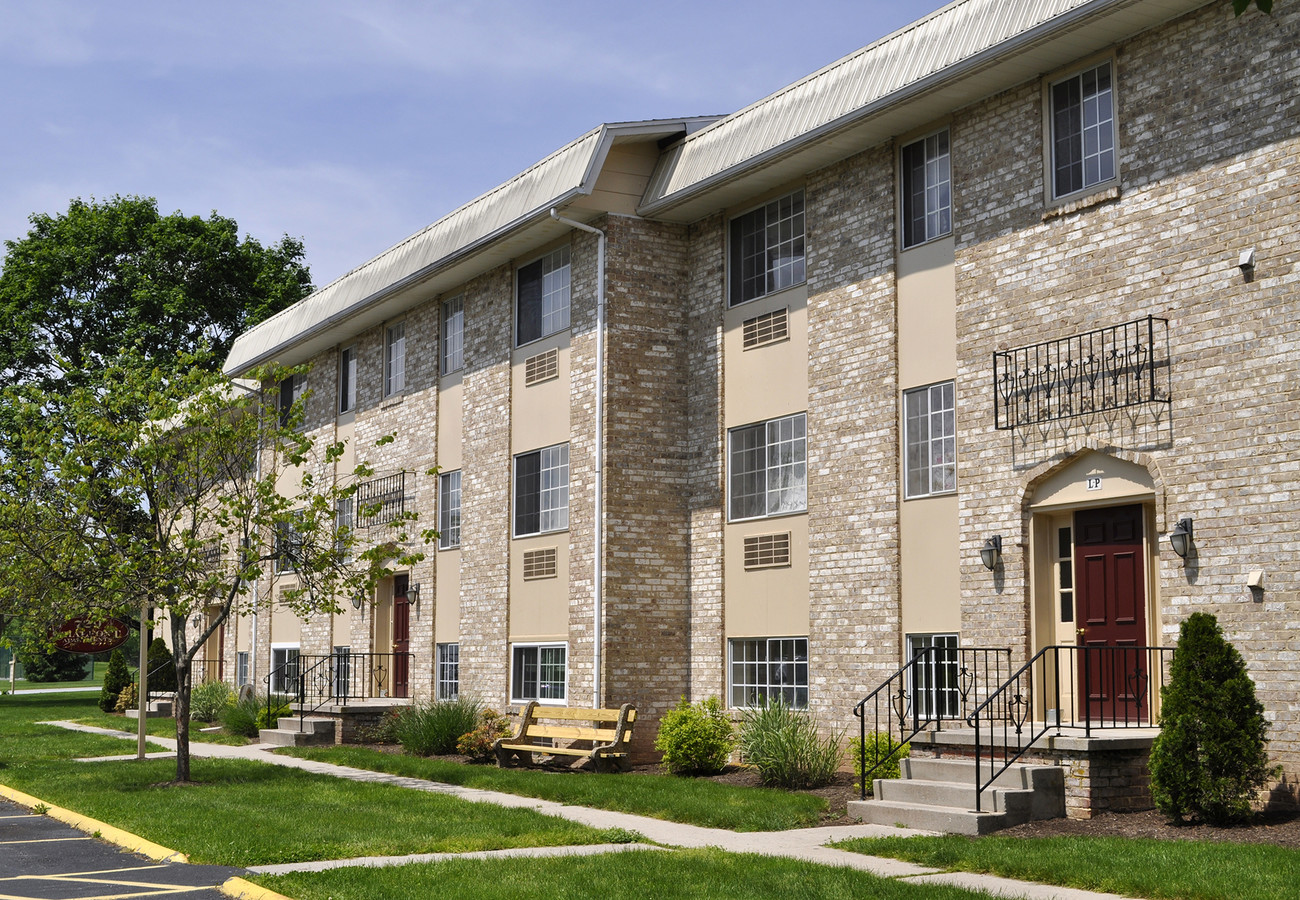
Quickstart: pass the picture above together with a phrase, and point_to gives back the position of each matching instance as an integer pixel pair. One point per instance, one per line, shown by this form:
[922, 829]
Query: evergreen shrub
[786, 747]
[129, 698]
[882, 749]
[162, 670]
[57, 665]
[696, 739]
[1210, 758]
[116, 677]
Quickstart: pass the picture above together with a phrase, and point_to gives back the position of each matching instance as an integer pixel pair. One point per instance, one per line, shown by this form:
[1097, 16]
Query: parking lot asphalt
[43, 859]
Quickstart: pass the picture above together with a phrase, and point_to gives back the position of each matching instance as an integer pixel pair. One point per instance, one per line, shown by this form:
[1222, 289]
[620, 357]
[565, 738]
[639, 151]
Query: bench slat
[572, 732]
[553, 751]
[588, 715]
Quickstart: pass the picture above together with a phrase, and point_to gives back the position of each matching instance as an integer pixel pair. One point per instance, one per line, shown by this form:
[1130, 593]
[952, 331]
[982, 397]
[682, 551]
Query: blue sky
[351, 125]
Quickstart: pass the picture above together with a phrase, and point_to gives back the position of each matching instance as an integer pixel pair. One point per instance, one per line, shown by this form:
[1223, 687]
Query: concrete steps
[313, 731]
[939, 795]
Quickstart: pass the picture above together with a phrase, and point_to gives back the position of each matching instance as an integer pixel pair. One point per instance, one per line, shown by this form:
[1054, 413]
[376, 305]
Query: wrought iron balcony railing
[381, 501]
[1107, 369]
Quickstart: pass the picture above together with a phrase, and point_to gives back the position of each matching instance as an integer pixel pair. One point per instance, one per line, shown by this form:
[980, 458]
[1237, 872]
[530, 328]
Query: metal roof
[370, 292]
[989, 45]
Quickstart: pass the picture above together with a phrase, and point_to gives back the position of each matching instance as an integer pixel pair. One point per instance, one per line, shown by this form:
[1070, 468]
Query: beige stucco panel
[1118, 480]
[539, 608]
[766, 602]
[771, 380]
[927, 314]
[286, 628]
[451, 403]
[931, 565]
[539, 413]
[446, 615]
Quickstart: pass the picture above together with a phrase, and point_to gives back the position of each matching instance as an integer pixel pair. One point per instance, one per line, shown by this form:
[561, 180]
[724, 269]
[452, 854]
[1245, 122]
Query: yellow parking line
[163, 890]
[46, 841]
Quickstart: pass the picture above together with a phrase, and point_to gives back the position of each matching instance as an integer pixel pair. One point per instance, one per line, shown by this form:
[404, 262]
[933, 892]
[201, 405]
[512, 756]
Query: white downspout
[599, 574]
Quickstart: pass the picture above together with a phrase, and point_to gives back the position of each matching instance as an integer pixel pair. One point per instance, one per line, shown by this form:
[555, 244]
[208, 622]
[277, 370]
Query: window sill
[1067, 206]
[930, 496]
[784, 515]
[769, 295]
[391, 400]
[533, 534]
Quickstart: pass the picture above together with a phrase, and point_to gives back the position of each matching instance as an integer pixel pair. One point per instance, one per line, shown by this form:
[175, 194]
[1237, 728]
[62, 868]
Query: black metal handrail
[1092, 688]
[318, 680]
[1105, 369]
[936, 684]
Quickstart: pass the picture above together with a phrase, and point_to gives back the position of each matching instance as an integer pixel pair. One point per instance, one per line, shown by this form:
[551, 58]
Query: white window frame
[348, 379]
[752, 469]
[934, 682]
[395, 359]
[1094, 135]
[344, 526]
[553, 293]
[552, 490]
[242, 658]
[925, 189]
[556, 692]
[453, 335]
[447, 686]
[767, 248]
[280, 655]
[927, 431]
[449, 510]
[767, 668]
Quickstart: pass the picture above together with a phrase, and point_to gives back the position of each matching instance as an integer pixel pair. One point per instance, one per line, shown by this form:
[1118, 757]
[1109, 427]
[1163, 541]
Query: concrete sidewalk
[807, 844]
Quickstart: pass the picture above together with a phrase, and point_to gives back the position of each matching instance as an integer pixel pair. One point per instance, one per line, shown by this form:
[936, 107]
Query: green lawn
[94, 678]
[644, 875]
[159, 727]
[695, 801]
[1188, 870]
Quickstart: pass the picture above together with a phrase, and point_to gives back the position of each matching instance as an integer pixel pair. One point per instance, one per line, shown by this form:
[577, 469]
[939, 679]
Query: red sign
[80, 635]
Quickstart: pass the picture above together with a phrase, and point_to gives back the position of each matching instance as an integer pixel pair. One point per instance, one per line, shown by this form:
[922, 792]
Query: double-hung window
[542, 301]
[347, 379]
[768, 670]
[767, 249]
[343, 524]
[926, 189]
[288, 544]
[1083, 130]
[542, 490]
[930, 427]
[284, 668]
[453, 335]
[291, 390]
[769, 468]
[448, 671]
[449, 510]
[539, 672]
[395, 359]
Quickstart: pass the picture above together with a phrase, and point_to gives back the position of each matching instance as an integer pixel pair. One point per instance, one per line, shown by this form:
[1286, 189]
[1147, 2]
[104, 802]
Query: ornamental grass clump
[209, 699]
[696, 739]
[432, 729]
[1209, 760]
[786, 747]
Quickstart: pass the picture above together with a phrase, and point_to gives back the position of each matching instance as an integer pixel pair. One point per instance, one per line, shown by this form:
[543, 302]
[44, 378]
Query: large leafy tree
[175, 487]
[116, 274]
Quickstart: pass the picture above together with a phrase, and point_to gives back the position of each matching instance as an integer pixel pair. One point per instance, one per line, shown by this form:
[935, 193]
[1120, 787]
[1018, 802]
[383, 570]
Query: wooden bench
[607, 731]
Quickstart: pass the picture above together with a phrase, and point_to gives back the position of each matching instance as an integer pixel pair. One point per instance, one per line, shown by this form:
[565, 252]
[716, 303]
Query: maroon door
[1109, 563]
[401, 638]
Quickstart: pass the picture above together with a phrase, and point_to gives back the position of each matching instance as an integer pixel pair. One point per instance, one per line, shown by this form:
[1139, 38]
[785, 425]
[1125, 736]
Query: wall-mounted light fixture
[358, 599]
[991, 552]
[1181, 537]
[413, 594]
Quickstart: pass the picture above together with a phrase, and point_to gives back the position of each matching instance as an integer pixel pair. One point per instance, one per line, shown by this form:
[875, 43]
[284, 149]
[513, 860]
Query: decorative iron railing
[937, 684]
[1110, 368]
[381, 501]
[312, 681]
[1063, 687]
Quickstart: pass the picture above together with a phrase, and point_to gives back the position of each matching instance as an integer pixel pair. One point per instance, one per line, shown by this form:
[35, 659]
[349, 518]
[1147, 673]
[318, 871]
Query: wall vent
[542, 367]
[767, 551]
[539, 564]
[767, 328]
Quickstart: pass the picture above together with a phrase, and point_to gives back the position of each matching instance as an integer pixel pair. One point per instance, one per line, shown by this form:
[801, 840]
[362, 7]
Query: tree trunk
[181, 659]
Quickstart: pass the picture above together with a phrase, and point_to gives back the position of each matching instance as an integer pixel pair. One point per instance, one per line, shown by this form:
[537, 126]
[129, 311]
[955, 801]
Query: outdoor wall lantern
[358, 599]
[413, 594]
[991, 552]
[1181, 537]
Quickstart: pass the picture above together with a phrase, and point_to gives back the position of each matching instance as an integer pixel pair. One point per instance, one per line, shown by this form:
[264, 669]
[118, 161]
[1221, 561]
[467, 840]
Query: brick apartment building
[731, 407]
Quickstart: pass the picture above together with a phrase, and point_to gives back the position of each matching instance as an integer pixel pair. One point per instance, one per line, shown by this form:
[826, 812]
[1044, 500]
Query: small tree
[1210, 758]
[116, 677]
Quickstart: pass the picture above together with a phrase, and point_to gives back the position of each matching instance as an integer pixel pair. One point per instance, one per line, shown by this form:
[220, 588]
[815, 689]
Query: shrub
[128, 698]
[696, 739]
[57, 665]
[882, 749]
[786, 748]
[162, 670]
[209, 699]
[477, 744]
[247, 715]
[116, 677]
[430, 729]
[1210, 756]
[382, 732]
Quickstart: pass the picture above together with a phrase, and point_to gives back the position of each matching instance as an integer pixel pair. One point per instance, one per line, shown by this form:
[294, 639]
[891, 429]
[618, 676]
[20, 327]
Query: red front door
[1109, 563]
[401, 638]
